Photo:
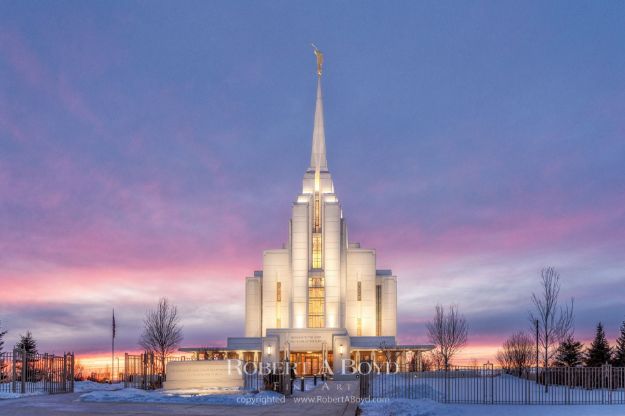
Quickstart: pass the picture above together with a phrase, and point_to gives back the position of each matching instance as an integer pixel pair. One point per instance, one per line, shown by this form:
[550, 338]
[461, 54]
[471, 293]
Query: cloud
[140, 158]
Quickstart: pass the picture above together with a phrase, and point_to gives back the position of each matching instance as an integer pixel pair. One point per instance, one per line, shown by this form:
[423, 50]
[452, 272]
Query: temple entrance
[307, 363]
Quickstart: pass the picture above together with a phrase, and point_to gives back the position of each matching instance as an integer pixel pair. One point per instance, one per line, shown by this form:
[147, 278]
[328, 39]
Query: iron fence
[277, 378]
[489, 385]
[30, 373]
[146, 371]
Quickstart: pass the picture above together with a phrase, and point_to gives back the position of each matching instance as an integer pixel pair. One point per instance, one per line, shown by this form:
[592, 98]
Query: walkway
[325, 400]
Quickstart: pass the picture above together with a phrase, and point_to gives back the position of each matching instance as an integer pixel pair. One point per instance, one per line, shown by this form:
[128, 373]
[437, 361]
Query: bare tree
[427, 363]
[448, 331]
[517, 353]
[436, 359]
[385, 349]
[162, 332]
[79, 369]
[554, 322]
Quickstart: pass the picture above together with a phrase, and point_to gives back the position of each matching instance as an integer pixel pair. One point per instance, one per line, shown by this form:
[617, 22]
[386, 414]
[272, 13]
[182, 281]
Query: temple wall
[253, 306]
[299, 264]
[276, 268]
[332, 263]
[389, 306]
[360, 267]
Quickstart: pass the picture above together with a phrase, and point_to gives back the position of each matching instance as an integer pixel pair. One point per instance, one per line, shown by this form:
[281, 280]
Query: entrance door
[312, 364]
[308, 364]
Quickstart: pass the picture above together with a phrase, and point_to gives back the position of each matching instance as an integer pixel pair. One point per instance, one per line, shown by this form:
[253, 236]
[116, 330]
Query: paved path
[328, 400]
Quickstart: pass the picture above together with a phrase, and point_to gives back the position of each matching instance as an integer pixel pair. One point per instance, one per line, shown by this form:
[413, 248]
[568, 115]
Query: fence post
[64, 385]
[492, 383]
[568, 377]
[446, 383]
[14, 372]
[144, 370]
[47, 385]
[65, 373]
[608, 376]
[484, 383]
[527, 386]
[73, 375]
[125, 370]
[24, 371]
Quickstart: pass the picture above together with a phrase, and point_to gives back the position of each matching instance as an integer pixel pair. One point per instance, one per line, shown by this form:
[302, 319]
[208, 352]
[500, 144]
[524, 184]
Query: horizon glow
[151, 151]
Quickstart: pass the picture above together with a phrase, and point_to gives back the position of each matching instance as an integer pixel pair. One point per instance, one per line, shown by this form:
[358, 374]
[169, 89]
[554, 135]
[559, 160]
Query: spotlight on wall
[341, 349]
[268, 349]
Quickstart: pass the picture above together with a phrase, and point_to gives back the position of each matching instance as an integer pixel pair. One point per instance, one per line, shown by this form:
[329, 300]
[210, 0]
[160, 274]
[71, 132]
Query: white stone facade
[320, 280]
[319, 302]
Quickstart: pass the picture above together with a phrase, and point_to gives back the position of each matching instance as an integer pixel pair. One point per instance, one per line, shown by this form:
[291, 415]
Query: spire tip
[319, 56]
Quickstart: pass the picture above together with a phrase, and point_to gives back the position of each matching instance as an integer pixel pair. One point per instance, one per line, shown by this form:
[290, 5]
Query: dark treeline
[550, 341]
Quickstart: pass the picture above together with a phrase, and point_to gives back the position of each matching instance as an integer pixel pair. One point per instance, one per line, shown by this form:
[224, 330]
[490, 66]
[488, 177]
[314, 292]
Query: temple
[320, 297]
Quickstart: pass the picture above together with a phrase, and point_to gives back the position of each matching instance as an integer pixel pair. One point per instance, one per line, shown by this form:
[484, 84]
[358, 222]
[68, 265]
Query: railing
[28, 373]
[277, 378]
[145, 371]
[488, 385]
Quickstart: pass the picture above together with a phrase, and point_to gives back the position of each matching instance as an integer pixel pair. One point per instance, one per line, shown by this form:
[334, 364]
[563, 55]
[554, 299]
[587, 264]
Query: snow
[503, 389]
[407, 407]
[309, 384]
[207, 390]
[389, 392]
[86, 386]
[79, 387]
[199, 397]
[32, 389]
[5, 395]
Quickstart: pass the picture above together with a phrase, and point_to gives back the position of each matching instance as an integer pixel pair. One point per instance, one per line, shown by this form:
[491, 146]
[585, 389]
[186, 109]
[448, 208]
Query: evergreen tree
[2, 334]
[599, 352]
[569, 354]
[619, 350]
[27, 343]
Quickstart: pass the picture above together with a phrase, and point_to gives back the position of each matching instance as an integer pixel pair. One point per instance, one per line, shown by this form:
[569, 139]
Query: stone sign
[307, 342]
[305, 339]
[205, 374]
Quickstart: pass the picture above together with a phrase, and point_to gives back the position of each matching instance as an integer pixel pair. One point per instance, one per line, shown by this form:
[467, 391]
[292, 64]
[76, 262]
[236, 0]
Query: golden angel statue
[319, 56]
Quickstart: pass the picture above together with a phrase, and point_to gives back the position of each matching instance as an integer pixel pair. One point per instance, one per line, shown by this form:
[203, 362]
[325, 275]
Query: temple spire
[318, 161]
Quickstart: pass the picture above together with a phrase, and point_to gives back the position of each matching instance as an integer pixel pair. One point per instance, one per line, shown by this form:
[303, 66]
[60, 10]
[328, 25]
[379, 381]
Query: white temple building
[319, 297]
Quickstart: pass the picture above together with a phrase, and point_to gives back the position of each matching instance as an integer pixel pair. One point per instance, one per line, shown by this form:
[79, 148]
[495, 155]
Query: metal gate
[25, 373]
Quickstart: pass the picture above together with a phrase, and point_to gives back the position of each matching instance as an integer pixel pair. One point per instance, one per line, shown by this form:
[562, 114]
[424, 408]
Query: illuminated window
[317, 214]
[359, 290]
[279, 292]
[378, 310]
[316, 234]
[316, 302]
[359, 327]
[316, 251]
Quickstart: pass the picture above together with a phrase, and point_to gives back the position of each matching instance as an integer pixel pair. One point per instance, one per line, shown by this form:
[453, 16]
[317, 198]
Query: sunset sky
[152, 150]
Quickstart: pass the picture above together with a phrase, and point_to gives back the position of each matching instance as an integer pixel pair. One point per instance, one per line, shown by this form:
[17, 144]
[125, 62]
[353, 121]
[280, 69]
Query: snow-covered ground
[86, 386]
[406, 407]
[199, 397]
[426, 395]
[309, 384]
[79, 387]
[32, 389]
[502, 389]
[5, 395]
